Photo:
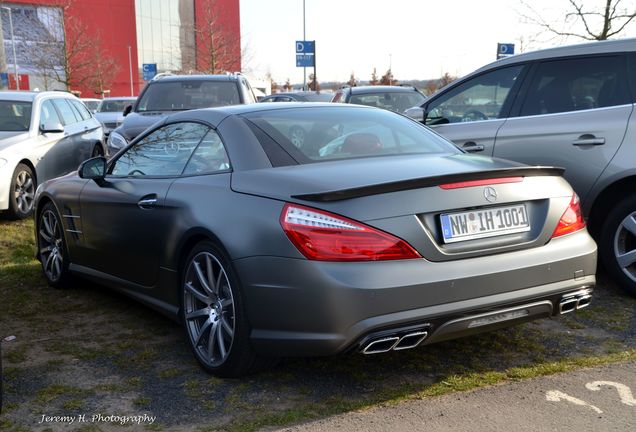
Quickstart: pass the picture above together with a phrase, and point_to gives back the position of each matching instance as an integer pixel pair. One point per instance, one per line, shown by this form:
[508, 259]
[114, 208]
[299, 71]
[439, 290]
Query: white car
[42, 135]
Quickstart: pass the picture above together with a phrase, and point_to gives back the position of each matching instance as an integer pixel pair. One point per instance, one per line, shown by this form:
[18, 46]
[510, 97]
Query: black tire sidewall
[14, 211]
[241, 355]
[606, 245]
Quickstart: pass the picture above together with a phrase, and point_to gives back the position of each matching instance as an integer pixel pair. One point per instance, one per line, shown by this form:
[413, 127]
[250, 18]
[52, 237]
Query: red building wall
[226, 16]
[114, 21]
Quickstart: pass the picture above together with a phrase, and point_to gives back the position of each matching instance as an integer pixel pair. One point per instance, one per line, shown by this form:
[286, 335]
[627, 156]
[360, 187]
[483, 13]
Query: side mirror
[51, 127]
[416, 113]
[127, 110]
[93, 169]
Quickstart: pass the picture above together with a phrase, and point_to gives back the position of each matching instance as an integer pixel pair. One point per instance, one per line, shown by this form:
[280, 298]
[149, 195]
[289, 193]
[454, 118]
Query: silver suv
[570, 107]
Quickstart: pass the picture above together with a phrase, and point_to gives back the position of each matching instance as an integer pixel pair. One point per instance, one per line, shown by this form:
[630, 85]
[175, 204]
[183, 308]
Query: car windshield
[319, 97]
[113, 105]
[189, 94]
[394, 101]
[326, 133]
[15, 115]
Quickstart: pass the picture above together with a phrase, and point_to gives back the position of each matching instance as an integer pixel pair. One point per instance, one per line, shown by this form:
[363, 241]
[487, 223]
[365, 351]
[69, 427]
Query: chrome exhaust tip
[576, 300]
[410, 340]
[381, 345]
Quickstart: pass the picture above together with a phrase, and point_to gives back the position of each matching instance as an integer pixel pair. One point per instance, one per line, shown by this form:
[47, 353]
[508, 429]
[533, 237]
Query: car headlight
[116, 141]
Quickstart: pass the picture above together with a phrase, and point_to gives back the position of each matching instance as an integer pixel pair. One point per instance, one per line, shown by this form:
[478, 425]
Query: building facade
[99, 47]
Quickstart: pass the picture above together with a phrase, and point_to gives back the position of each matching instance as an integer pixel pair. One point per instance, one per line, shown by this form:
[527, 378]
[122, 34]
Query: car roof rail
[161, 75]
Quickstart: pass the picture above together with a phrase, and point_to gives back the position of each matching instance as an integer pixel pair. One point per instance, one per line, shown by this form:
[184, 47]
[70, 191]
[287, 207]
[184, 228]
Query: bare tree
[218, 46]
[105, 69]
[445, 80]
[287, 86]
[387, 78]
[374, 78]
[352, 80]
[431, 87]
[313, 84]
[601, 21]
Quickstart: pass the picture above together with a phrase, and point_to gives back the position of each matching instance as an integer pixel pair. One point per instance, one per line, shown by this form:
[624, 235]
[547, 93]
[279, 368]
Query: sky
[418, 39]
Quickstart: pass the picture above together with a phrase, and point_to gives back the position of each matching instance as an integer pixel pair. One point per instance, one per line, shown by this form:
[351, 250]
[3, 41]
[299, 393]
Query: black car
[393, 98]
[167, 94]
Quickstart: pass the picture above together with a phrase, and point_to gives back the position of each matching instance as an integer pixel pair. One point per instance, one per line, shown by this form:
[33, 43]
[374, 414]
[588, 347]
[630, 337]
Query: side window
[249, 93]
[81, 109]
[164, 152]
[209, 157]
[576, 84]
[67, 112]
[48, 113]
[480, 98]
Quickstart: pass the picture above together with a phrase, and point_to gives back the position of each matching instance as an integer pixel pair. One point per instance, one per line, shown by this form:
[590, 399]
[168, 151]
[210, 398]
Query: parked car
[111, 112]
[301, 96]
[42, 135]
[394, 98]
[91, 103]
[263, 249]
[170, 93]
[571, 107]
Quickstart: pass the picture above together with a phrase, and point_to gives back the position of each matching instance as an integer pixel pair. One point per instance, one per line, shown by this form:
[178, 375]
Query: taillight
[323, 236]
[572, 219]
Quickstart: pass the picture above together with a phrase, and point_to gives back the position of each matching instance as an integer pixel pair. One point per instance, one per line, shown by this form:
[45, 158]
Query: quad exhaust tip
[574, 301]
[396, 343]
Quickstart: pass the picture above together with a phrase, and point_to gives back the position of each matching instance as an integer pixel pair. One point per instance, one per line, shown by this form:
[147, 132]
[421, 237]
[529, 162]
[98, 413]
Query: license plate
[490, 222]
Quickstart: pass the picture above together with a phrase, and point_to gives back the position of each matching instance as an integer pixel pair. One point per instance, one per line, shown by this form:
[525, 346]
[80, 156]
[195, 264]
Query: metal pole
[15, 60]
[304, 39]
[132, 93]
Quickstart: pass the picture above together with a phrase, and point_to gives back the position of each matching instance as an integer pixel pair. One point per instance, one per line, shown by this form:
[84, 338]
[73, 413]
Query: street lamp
[15, 60]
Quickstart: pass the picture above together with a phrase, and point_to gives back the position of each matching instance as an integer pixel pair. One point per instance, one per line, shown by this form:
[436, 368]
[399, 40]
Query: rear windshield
[185, 95]
[15, 115]
[114, 105]
[394, 101]
[327, 133]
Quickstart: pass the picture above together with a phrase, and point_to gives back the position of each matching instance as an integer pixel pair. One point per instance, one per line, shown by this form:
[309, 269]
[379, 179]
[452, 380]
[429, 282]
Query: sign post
[149, 71]
[306, 55]
[505, 50]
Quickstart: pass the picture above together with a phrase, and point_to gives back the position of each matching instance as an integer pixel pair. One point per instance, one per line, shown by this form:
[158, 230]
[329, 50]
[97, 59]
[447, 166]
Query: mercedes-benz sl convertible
[374, 234]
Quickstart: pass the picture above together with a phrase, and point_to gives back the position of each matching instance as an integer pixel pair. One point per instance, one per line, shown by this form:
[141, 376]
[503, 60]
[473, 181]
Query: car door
[471, 112]
[48, 149]
[91, 133]
[574, 115]
[66, 150]
[125, 220]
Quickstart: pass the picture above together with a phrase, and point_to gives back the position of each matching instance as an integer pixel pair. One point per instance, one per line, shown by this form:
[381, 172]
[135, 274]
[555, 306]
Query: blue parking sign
[149, 70]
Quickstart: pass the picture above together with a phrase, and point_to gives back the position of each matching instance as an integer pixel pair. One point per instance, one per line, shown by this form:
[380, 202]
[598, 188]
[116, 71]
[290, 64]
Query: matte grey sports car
[375, 235]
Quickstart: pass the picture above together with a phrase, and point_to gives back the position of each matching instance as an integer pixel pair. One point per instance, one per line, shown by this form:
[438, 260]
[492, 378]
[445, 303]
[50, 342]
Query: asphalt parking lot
[103, 361]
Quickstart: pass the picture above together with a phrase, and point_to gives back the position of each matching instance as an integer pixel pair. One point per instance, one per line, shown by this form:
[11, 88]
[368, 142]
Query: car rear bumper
[298, 307]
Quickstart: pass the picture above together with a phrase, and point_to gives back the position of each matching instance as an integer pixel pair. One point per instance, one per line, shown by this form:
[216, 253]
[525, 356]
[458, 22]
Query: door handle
[148, 201]
[472, 146]
[588, 140]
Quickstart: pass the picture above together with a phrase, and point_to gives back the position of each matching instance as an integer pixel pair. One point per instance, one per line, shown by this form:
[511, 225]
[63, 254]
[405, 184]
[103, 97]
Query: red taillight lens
[572, 219]
[323, 236]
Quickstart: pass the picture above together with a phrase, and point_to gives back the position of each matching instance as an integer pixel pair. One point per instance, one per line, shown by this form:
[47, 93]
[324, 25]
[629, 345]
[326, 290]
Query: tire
[52, 249]
[618, 244]
[22, 192]
[213, 314]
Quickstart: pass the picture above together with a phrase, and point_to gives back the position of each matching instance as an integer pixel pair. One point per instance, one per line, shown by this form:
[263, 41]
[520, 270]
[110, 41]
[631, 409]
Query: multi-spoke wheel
[618, 244]
[51, 247]
[213, 314]
[22, 192]
[297, 136]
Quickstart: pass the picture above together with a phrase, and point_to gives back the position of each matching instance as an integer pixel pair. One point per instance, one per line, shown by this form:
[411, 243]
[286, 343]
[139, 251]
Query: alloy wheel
[24, 191]
[625, 246]
[209, 309]
[51, 245]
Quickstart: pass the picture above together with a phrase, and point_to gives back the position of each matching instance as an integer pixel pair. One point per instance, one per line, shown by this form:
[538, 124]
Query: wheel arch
[608, 197]
[31, 165]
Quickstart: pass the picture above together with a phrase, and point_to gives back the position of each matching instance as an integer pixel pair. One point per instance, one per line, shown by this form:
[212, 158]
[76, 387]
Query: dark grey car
[375, 235]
